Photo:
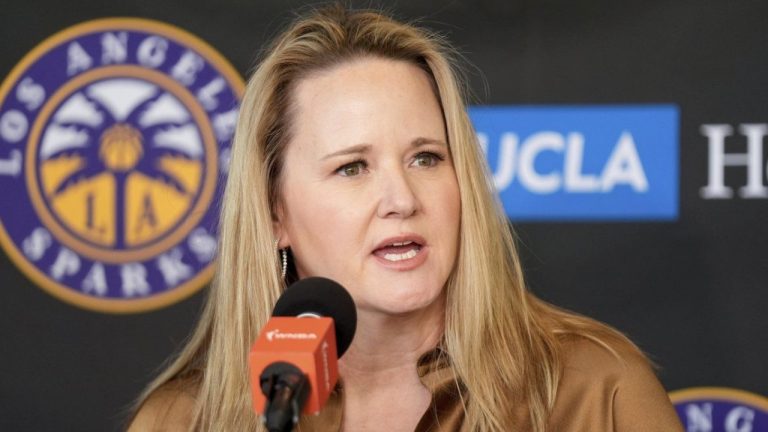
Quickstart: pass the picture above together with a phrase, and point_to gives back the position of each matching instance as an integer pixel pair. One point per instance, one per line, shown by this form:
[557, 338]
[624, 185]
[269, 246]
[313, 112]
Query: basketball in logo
[718, 409]
[114, 141]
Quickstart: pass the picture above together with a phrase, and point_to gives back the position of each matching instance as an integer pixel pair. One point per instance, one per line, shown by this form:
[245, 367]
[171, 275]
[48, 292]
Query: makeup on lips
[401, 252]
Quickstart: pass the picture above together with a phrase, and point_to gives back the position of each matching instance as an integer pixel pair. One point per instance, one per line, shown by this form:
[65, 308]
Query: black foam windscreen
[322, 297]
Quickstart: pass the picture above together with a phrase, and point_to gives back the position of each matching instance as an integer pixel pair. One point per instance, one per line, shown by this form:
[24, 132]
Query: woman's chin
[403, 305]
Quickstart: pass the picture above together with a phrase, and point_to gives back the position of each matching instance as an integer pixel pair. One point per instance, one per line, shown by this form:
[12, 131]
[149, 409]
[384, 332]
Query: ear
[278, 227]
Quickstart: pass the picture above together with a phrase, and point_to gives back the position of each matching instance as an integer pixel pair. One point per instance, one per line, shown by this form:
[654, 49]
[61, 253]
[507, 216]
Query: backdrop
[687, 282]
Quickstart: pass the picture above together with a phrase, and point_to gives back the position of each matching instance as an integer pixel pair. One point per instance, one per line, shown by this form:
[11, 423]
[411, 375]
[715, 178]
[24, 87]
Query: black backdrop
[691, 292]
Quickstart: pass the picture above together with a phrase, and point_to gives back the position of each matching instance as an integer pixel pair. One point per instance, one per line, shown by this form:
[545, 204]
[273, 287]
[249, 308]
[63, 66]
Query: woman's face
[369, 196]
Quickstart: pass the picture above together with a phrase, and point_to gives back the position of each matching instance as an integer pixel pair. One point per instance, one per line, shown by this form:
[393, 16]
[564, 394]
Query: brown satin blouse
[597, 393]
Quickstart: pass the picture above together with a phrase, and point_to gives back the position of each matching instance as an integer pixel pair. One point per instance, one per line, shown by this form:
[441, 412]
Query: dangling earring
[284, 269]
[284, 259]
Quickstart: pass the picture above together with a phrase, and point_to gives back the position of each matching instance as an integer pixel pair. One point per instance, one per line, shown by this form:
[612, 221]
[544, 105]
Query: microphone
[293, 363]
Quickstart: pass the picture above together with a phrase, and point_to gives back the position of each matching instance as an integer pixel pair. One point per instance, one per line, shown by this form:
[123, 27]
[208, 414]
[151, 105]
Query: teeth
[399, 257]
[402, 244]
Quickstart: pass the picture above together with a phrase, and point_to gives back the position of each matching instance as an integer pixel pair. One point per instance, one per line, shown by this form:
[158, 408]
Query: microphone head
[324, 297]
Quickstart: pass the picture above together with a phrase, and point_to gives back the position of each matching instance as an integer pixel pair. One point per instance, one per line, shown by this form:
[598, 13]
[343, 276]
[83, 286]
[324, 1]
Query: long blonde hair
[503, 343]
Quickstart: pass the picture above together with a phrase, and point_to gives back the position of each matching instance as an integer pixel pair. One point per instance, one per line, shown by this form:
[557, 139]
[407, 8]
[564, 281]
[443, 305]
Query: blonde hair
[504, 344]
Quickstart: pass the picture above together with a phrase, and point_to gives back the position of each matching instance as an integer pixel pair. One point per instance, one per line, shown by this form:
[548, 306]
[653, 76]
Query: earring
[284, 254]
[283, 257]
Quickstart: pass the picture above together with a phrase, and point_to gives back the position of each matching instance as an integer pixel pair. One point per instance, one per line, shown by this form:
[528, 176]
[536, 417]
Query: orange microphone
[293, 363]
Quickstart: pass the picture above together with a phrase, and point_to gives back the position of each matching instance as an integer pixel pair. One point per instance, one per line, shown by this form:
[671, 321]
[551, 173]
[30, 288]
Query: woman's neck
[379, 374]
[386, 346]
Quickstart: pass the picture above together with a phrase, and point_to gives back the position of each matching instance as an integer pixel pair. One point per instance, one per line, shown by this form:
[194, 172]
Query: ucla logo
[592, 162]
[713, 409]
[114, 141]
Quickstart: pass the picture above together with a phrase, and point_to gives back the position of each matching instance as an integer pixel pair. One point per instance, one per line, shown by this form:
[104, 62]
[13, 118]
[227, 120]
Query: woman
[355, 157]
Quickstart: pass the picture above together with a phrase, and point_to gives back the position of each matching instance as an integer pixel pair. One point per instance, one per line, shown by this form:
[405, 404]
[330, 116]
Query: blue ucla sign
[582, 162]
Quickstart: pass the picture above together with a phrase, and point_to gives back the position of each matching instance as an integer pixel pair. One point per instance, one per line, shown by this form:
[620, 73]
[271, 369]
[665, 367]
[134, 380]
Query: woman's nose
[398, 196]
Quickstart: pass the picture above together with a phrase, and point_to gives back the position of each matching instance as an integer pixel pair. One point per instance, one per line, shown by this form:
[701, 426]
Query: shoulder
[169, 408]
[610, 386]
[610, 360]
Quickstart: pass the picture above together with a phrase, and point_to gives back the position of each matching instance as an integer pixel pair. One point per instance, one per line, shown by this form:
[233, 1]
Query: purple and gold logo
[114, 141]
[718, 409]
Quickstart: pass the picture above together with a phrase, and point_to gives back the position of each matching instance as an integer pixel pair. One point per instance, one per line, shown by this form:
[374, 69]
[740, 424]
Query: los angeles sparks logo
[718, 409]
[114, 136]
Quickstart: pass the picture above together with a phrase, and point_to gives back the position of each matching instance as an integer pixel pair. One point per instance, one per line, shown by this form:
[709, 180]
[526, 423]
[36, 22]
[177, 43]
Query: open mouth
[398, 251]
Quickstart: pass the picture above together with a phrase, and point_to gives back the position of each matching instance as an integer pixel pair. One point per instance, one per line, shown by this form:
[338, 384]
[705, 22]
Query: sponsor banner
[114, 139]
[744, 159]
[582, 162]
[717, 409]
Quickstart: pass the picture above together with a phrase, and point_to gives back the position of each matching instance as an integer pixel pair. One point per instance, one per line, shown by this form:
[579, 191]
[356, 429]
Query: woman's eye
[351, 169]
[426, 159]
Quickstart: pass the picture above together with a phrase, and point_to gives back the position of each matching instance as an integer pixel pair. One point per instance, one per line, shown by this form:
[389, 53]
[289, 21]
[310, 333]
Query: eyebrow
[365, 148]
[355, 149]
[420, 141]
